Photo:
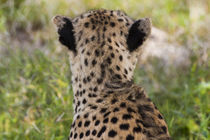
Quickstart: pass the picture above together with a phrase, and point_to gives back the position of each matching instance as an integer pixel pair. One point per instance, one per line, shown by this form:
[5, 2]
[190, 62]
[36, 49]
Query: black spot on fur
[117, 77]
[93, 27]
[137, 129]
[160, 116]
[95, 89]
[103, 129]
[112, 24]
[71, 134]
[123, 105]
[114, 120]
[109, 40]
[94, 132]
[116, 109]
[112, 55]
[107, 114]
[120, 20]
[103, 110]
[84, 101]
[97, 122]
[99, 100]
[109, 61]
[130, 110]
[80, 124]
[104, 29]
[97, 53]
[121, 57]
[124, 126]
[94, 107]
[75, 135]
[110, 47]
[106, 120]
[112, 133]
[94, 118]
[164, 129]
[81, 135]
[87, 123]
[92, 38]
[87, 133]
[86, 24]
[126, 116]
[117, 67]
[113, 101]
[99, 81]
[86, 41]
[86, 62]
[94, 62]
[129, 137]
[86, 115]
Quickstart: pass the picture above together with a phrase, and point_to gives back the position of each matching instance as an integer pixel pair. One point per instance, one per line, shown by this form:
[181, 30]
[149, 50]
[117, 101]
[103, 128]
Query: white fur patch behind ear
[138, 33]
[58, 20]
[145, 26]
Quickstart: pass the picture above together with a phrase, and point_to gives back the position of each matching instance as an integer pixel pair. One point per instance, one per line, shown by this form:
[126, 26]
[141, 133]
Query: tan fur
[102, 85]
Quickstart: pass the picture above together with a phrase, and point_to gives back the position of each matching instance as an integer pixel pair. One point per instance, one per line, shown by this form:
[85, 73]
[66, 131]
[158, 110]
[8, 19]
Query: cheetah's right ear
[138, 33]
[65, 31]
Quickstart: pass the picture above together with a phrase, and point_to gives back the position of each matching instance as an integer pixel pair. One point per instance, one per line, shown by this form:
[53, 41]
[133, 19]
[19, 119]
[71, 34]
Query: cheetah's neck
[89, 89]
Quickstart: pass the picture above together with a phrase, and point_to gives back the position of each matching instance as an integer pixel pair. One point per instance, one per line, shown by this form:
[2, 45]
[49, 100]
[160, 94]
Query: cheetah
[103, 47]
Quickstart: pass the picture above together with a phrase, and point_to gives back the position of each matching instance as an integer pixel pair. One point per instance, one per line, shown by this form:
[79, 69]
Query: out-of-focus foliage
[35, 88]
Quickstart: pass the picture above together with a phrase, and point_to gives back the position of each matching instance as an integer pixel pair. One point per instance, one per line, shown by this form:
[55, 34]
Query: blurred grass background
[35, 89]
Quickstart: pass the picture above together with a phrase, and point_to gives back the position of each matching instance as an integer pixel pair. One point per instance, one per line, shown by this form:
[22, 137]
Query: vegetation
[35, 86]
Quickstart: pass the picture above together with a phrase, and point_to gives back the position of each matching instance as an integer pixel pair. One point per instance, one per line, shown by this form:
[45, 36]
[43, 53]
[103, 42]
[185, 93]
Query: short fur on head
[108, 35]
[138, 32]
[103, 39]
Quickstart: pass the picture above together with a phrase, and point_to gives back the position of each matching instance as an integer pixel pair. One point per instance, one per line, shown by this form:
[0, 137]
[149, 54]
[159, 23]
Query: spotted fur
[103, 49]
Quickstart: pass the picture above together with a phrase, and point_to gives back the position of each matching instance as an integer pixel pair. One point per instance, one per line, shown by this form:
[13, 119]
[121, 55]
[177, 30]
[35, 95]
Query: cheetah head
[103, 42]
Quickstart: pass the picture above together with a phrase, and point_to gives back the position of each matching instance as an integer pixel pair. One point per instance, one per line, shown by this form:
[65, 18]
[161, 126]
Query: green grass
[35, 86]
[36, 97]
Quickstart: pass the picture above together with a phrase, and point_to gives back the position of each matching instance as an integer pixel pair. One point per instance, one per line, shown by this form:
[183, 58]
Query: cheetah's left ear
[138, 33]
[65, 31]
